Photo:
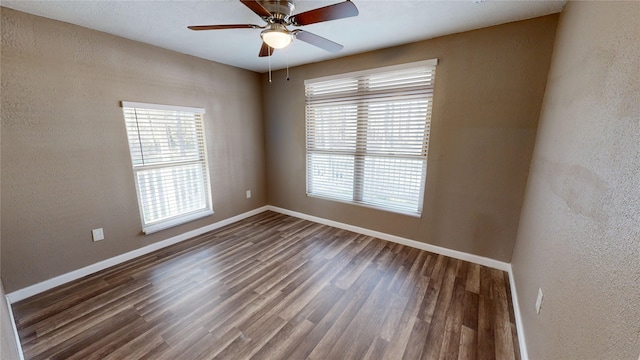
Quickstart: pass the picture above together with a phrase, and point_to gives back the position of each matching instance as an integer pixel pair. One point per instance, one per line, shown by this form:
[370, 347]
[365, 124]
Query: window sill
[395, 211]
[150, 229]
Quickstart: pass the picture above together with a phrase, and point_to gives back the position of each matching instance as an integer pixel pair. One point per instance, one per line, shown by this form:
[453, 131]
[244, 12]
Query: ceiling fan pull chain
[269, 64]
[287, 56]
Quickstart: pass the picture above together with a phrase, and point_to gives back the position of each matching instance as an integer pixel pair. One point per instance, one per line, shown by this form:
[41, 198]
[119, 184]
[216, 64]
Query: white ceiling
[381, 23]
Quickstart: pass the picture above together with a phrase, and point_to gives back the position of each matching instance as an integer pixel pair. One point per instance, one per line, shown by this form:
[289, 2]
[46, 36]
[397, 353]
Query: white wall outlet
[539, 301]
[248, 194]
[98, 234]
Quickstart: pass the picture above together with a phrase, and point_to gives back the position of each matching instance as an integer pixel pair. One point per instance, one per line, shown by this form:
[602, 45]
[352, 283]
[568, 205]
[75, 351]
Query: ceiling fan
[278, 15]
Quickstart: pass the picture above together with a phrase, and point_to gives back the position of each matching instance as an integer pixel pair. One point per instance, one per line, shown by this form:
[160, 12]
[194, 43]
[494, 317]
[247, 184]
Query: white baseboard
[481, 260]
[524, 355]
[77, 274]
[15, 329]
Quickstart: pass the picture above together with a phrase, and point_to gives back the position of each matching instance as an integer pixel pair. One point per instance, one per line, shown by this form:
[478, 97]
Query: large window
[368, 136]
[168, 154]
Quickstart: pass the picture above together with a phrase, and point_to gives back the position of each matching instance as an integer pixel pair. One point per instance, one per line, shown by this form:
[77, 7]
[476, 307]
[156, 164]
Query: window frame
[360, 154]
[149, 227]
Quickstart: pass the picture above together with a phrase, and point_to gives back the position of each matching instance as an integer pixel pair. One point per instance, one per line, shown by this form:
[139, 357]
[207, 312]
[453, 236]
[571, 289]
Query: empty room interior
[397, 180]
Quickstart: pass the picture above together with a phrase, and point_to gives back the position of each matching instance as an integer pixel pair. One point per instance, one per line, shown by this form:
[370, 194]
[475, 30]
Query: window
[168, 154]
[368, 136]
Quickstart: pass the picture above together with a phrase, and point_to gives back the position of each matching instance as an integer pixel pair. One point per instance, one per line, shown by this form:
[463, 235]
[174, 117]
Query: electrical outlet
[248, 194]
[98, 234]
[539, 301]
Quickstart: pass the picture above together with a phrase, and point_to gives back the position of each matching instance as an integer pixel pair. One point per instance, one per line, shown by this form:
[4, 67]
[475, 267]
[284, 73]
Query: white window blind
[168, 154]
[368, 134]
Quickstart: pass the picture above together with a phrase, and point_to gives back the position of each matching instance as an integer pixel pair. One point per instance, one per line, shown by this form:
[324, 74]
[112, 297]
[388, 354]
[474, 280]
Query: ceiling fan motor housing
[276, 7]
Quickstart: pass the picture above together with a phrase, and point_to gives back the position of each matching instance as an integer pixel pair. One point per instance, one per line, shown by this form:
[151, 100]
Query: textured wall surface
[65, 159]
[579, 236]
[489, 89]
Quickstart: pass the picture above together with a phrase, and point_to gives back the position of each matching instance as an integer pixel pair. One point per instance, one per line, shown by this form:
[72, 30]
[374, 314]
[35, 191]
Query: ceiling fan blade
[318, 41]
[222, 27]
[265, 50]
[332, 12]
[257, 8]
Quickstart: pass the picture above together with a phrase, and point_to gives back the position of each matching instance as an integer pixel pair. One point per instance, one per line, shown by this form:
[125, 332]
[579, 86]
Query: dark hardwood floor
[276, 287]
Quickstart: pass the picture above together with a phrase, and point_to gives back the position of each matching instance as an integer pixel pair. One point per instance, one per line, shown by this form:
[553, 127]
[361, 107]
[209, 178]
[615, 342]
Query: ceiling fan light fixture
[277, 36]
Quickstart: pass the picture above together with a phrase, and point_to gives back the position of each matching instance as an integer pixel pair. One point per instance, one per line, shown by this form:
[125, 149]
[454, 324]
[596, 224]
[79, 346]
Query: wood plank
[415, 344]
[453, 324]
[366, 284]
[486, 346]
[284, 341]
[468, 344]
[512, 316]
[433, 344]
[473, 278]
[502, 329]
[404, 321]
[470, 309]
[376, 349]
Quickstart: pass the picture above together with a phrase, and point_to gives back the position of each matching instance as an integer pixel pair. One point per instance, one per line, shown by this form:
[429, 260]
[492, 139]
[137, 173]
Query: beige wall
[579, 236]
[489, 88]
[65, 161]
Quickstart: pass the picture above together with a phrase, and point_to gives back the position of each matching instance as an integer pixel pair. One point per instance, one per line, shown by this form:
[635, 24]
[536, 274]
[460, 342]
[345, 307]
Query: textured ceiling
[380, 24]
